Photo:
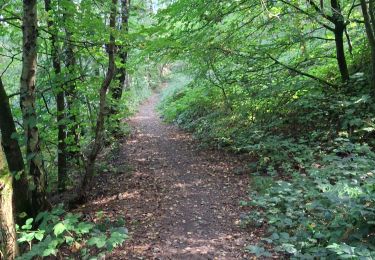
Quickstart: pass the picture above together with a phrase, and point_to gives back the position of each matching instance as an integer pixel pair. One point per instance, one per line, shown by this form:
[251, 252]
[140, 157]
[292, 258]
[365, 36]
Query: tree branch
[301, 72]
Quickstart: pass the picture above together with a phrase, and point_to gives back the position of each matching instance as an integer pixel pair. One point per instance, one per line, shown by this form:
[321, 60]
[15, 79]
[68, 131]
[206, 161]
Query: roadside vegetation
[290, 83]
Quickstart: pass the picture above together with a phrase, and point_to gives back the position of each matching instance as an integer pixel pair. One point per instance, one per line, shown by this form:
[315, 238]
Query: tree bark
[339, 22]
[340, 53]
[60, 103]
[102, 113]
[35, 165]
[13, 155]
[369, 19]
[117, 90]
[123, 53]
[8, 240]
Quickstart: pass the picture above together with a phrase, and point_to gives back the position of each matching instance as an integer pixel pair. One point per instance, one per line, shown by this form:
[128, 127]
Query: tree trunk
[8, 240]
[13, 155]
[369, 19]
[35, 165]
[60, 103]
[71, 91]
[340, 53]
[123, 54]
[339, 22]
[99, 130]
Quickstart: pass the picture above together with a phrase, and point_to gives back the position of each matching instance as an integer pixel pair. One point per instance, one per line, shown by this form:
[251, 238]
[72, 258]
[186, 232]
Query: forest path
[179, 202]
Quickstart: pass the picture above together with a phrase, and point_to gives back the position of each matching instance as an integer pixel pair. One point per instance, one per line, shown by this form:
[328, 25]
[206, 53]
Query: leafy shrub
[314, 190]
[278, 153]
[58, 229]
[328, 213]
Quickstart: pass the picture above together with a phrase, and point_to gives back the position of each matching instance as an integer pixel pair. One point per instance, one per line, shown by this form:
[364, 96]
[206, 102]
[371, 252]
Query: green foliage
[86, 24]
[259, 251]
[258, 77]
[265, 82]
[329, 212]
[58, 229]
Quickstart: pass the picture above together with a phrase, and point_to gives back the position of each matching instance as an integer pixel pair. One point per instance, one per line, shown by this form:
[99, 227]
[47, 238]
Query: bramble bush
[313, 181]
[58, 229]
[327, 213]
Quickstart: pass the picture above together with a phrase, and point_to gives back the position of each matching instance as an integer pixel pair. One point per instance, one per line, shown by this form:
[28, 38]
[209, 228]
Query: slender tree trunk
[60, 103]
[13, 155]
[99, 130]
[35, 165]
[340, 53]
[117, 90]
[338, 20]
[71, 91]
[123, 53]
[369, 19]
[8, 240]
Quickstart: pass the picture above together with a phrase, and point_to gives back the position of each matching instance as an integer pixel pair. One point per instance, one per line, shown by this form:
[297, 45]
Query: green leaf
[59, 228]
[22, 215]
[98, 241]
[39, 235]
[84, 228]
[28, 224]
[69, 240]
[29, 221]
[26, 237]
[49, 251]
[258, 251]
[289, 248]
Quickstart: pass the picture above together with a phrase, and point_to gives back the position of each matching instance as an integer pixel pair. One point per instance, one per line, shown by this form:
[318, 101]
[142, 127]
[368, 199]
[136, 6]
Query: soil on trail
[179, 201]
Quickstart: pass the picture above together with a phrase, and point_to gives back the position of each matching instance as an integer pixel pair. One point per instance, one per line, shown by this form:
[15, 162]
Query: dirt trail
[179, 202]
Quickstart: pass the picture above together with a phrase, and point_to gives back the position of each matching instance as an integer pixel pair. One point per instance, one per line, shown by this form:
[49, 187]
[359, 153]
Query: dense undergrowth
[313, 182]
[60, 233]
[278, 80]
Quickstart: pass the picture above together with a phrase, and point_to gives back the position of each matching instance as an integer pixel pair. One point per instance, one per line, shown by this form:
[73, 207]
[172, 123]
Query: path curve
[180, 202]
